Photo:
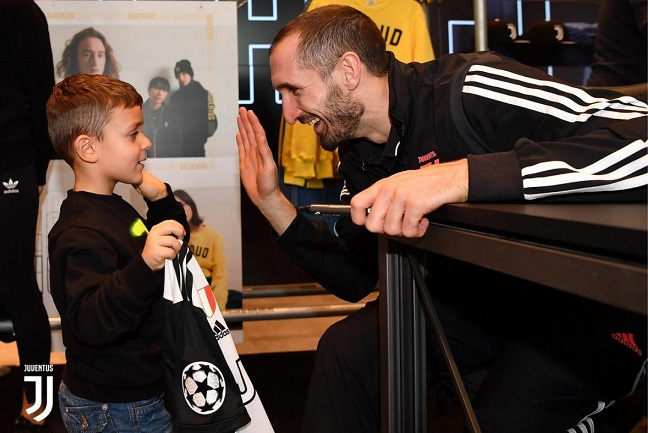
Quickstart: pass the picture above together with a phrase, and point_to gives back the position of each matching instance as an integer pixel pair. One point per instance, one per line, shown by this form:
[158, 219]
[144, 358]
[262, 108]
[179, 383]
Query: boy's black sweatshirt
[109, 300]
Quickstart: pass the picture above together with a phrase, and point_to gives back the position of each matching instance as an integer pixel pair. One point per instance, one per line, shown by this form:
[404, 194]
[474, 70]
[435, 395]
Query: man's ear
[84, 148]
[351, 68]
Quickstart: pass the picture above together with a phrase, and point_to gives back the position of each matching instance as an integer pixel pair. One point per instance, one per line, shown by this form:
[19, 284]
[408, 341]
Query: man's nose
[290, 110]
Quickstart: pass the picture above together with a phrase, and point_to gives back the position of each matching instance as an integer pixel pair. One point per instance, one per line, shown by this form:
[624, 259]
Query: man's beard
[343, 119]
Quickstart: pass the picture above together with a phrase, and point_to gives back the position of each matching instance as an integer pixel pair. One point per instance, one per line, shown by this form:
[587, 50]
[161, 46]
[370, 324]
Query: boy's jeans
[87, 416]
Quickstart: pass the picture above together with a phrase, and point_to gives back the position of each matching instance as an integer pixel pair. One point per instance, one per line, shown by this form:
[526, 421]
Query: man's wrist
[279, 212]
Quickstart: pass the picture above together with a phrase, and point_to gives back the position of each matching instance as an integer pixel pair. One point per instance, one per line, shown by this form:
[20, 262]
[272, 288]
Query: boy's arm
[162, 244]
[151, 188]
[101, 301]
[161, 203]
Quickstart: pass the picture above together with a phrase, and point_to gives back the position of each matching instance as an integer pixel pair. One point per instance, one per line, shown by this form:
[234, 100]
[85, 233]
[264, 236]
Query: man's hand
[259, 173]
[151, 187]
[162, 243]
[398, 204]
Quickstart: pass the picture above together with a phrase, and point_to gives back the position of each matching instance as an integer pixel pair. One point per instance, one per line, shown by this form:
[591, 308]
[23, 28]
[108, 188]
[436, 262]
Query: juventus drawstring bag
[204, 396]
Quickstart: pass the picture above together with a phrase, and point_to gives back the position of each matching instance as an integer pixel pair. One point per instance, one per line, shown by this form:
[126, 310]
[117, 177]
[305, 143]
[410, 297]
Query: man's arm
[345, 264]
[398, 204]
[259, 173]
[535, 138]
[605, 165]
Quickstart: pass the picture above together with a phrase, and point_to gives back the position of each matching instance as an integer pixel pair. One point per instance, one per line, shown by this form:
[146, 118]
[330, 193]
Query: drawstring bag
[209, 390]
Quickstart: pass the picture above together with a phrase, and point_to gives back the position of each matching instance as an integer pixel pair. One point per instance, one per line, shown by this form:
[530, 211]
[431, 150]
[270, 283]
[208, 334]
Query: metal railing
[255, 314]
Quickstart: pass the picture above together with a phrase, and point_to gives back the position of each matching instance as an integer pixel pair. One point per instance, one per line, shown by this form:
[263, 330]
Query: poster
[147, 40]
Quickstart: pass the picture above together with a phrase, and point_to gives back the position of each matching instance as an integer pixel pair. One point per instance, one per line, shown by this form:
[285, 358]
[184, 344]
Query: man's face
[343, 113]
[91, 56]
[157, 95]
[307, 98]
[184, 78]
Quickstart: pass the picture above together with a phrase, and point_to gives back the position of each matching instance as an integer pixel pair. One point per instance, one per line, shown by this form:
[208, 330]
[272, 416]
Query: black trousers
[538, 360]
[20, 297]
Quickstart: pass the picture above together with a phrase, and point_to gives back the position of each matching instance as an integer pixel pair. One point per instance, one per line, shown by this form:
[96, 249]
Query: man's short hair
[159, 83]
[84, 104]
[327, 32]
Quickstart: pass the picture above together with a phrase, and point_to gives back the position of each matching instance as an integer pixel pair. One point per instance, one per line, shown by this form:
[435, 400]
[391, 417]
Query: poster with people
[182, 58]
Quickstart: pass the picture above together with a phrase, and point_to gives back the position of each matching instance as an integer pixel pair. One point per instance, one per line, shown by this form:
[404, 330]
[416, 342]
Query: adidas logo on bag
[10, 186]
[220, 330]
[628, 341]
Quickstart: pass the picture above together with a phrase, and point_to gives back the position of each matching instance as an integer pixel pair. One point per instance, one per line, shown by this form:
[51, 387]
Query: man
[190, 103]
[27, 71]
[412, 137]
[88, 52]
[160, 123]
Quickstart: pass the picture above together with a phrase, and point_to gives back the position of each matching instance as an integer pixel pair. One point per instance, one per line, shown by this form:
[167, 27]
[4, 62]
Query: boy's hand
[151, 187]
[162, 243]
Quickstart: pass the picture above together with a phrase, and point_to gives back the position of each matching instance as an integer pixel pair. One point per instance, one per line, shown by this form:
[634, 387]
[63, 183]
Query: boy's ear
[84, 148]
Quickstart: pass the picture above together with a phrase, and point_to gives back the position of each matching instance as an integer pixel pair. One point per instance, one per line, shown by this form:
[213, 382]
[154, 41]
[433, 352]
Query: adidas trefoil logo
[627, 340]
[10, 186]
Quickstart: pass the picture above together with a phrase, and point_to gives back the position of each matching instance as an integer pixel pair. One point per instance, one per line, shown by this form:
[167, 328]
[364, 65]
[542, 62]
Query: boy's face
[122, 151]
[157, 95]
[184, 78]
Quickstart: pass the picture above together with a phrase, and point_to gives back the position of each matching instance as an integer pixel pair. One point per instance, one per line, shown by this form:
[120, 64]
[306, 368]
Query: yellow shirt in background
[208, 247]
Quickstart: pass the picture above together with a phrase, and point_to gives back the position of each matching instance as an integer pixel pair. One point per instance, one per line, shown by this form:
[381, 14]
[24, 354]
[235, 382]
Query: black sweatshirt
[109, 300]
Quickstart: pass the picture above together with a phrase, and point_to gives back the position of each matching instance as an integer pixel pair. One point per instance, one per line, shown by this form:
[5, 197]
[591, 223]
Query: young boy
[106, 263]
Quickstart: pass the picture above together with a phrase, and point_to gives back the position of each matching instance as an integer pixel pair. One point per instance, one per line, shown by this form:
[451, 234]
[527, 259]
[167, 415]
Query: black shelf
[560, 54]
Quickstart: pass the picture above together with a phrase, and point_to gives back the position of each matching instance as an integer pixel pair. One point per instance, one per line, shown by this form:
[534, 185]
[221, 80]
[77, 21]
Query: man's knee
[351, 338]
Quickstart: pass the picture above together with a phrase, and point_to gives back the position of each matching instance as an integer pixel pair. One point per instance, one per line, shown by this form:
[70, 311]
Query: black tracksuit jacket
[527, 136]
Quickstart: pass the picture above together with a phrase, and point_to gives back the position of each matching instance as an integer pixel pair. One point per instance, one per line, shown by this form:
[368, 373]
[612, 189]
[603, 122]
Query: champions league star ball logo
[203, 386]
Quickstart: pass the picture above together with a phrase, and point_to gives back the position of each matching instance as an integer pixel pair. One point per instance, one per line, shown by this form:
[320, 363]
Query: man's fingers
[414, 224]
[267, 159]
[249, 128]
[392, 221]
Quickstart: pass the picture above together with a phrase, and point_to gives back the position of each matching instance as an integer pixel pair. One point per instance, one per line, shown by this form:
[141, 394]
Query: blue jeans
[87, 416]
